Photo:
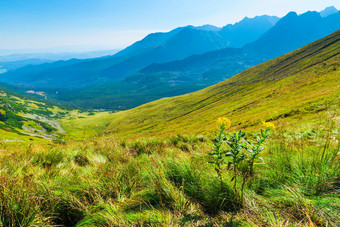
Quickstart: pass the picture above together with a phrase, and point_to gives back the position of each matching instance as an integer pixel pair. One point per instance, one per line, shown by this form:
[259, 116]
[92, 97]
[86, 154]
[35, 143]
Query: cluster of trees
[3, 115]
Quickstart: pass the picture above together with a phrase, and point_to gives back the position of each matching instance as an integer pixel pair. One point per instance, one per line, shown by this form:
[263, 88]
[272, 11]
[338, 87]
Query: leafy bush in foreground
[239, 156]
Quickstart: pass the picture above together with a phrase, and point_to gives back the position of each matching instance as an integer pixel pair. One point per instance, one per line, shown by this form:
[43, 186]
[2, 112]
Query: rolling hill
[24, 119]
[12, 61]
[294, 87]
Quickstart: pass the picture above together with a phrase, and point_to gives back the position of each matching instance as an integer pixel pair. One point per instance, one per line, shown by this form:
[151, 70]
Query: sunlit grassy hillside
[24, 119]
[294, 88]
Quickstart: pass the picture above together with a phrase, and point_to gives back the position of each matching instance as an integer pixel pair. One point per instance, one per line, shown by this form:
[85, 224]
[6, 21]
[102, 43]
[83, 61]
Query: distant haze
[88, 25]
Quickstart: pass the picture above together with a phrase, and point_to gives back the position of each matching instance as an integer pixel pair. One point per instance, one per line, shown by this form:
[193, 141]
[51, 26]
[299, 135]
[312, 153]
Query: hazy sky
[99, 24]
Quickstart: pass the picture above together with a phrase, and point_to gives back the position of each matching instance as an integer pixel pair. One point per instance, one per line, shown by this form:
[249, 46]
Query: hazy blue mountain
[152, 40]
[17, 55]
[14, 61]
[186, 41]
[155, 48]
[291, 32]
[248, 30]
[328, 11]
[6, 66]
[208, 27]
[253, 28]
[294, 31]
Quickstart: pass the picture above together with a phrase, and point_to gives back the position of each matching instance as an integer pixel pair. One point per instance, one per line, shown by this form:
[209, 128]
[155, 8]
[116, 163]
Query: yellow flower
[268, 124]
[224, 121]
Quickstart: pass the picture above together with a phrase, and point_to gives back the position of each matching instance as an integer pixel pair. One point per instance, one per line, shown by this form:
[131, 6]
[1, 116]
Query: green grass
[155, 181]
[84, 125]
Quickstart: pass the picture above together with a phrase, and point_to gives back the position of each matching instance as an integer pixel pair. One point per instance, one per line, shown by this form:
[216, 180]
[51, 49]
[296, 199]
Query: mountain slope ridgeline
[293, 87]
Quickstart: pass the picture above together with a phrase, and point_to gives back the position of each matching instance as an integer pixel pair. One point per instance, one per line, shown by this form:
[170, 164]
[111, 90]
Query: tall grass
[150, 182]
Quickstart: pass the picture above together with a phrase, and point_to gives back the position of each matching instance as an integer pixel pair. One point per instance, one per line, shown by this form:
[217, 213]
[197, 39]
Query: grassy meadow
[162, 181]
[170, 163]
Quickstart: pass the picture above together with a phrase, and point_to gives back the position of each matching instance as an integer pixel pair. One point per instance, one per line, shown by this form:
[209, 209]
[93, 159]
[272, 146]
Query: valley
[200, 126]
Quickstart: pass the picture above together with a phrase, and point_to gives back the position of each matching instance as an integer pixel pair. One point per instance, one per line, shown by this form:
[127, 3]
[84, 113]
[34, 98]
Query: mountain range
[12, 60]
[199, 71]
[155, 48]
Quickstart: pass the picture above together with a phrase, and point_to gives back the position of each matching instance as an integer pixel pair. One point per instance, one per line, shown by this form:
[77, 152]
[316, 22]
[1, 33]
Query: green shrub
[81, 159]
[3, 115]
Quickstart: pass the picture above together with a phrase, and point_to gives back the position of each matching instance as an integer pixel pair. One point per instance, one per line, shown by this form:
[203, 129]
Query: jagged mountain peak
[247, 21]
[328, 11]
[207, 27]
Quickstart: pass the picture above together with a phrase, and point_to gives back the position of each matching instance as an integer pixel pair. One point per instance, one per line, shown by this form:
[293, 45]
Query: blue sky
[108, 24]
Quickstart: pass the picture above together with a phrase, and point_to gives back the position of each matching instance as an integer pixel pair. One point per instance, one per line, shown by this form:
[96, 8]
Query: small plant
[218, 148]
[254, 149]
[237, 154]
[236, 144]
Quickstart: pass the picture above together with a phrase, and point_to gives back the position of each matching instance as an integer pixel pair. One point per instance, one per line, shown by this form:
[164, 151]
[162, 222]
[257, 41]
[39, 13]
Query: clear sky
[103, 24]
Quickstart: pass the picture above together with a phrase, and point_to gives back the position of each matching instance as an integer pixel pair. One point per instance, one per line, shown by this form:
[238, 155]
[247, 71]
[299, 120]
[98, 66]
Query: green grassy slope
[25, 119]
[293, 87]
